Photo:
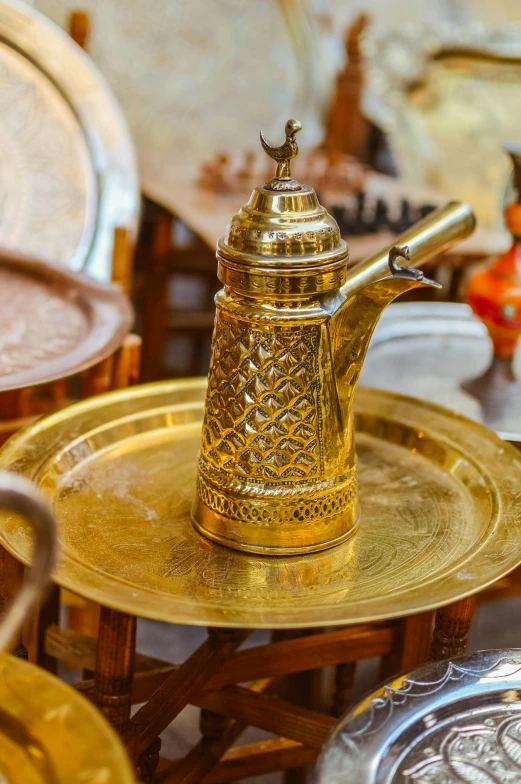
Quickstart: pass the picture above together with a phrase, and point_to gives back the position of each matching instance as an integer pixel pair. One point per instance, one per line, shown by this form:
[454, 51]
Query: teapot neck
[303, 279]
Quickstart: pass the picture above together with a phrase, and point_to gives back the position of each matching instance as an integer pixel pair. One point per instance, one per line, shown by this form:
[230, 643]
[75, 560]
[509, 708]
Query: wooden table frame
[240, 688]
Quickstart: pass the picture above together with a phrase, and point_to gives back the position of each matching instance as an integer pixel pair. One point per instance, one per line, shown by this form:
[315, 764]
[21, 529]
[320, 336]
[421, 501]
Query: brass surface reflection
[49, 734]
[440, 504]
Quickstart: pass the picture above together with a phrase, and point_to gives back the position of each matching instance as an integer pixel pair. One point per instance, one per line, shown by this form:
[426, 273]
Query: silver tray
[67, 167]
[427, 349]
[447, 722]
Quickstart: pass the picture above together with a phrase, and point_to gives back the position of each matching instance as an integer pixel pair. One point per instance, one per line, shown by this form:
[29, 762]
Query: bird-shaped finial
[283, 154]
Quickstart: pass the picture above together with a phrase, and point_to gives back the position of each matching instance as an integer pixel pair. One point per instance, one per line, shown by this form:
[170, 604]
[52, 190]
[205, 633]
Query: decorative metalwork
[283, 155]
[441, 501]
[448, 98]
[54, 323]
[67, 167]
[18, 496]
[50, 734]
[277, 470]
[444, 723]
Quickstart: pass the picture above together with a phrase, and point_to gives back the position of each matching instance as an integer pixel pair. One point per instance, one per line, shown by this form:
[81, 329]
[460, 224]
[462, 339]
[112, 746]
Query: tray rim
[104, 306]
[161, 388]
[409, 696]
[120, 771]
[85, 91]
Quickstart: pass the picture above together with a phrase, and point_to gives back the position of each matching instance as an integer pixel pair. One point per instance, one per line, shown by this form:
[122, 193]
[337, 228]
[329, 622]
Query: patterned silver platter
[184, 71]
[428, 349]
[67, 168]
[55, 323]
[447, 722]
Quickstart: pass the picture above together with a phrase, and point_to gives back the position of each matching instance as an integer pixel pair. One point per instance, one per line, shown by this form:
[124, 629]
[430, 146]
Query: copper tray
[68, 174]
[54, 323]
[446, 722]
[440, 496]
[428, 349]
[49, 734]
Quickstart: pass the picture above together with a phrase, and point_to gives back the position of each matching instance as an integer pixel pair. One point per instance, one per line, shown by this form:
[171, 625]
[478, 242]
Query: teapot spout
[375, 282]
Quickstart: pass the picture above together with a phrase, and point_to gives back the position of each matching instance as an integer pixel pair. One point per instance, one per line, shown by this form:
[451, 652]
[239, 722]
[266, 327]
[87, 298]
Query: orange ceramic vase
[494, 294]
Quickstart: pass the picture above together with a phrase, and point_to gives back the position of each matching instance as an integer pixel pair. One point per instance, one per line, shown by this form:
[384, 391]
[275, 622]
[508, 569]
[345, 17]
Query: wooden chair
[168, 253]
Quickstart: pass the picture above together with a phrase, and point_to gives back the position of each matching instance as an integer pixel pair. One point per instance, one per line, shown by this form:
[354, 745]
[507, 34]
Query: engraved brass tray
[428, 349]
[446, 722]
[49, 734]
[440, 499]
[54, 323]
[68, 175]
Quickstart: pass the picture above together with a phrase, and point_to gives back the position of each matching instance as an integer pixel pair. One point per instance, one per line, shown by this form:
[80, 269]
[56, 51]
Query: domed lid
[283, 227]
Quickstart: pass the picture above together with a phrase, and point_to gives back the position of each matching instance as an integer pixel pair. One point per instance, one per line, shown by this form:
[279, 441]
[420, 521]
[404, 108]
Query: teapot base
[214, 526]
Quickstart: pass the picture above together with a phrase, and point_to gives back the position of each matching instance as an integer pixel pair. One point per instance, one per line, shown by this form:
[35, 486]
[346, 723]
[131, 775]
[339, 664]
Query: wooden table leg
[113, 678]
[49, 615]
[451, 629]
[344, 681]
[412, 645]
[213, 725]
[11, 578]
[114, 674]
[155, 297]
[177, 691]
[148, 762]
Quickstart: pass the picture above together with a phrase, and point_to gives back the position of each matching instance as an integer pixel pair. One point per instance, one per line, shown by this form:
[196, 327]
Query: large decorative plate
[198, 76]
[49, 734]
[440, 498]
[447, 722]
[67, 169]
[448, 99]
[54, 323]
[428, 349]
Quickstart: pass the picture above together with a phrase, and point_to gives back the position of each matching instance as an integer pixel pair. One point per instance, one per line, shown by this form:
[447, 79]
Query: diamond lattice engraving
[262, 421]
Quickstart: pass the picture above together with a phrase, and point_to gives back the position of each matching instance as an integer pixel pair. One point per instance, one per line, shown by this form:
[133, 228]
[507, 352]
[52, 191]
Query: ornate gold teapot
[277, 467]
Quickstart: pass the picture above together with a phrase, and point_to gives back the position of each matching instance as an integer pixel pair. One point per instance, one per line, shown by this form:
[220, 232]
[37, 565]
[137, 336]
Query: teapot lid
[284, 230]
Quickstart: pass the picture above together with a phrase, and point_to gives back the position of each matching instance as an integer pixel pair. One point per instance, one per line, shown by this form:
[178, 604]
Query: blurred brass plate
[174, 65]
[55, 323]
[68, 175]
[440, 497]
[49, 734]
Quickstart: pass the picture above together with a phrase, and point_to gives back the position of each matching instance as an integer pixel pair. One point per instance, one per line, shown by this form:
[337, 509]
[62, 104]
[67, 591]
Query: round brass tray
[49, 734]
[55, 323]
[68, 170]
[440, 499]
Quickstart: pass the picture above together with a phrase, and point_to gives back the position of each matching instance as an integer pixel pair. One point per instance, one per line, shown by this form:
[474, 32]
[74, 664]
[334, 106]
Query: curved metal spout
[376, 282]
[434, 234]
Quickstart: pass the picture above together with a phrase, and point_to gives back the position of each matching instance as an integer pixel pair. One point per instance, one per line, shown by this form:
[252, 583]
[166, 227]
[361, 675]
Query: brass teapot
[277, 468]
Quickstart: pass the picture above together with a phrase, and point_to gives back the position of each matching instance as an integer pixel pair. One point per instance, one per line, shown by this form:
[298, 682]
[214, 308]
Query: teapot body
[276, 471]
